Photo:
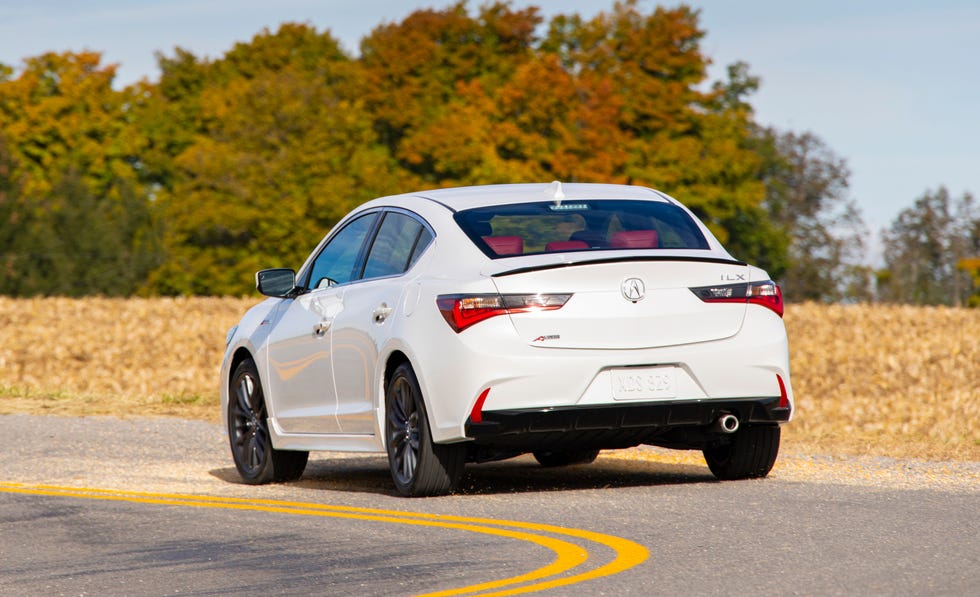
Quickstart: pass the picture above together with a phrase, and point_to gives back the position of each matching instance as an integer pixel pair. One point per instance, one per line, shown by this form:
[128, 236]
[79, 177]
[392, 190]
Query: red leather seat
[634, 239]
[505, 245]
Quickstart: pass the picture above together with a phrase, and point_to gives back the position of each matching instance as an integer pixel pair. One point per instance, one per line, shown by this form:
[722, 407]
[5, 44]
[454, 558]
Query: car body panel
[300, 381]
[357, 337]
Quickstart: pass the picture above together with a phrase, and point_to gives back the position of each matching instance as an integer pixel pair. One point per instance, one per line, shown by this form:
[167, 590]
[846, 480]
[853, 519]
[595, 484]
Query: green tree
[283, 149]
[923, 247]
[807, 197]
[10, 218]
[76, 218]
[72, 243]
[972, 267]
[61, 113]
[167, 115]
[752, 233]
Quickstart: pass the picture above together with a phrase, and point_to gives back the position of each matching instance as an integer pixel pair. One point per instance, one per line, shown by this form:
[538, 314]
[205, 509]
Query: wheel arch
[394, 360]
[240, 354]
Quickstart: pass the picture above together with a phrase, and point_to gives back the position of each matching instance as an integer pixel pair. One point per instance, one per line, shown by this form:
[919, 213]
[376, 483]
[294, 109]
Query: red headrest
[566, 245]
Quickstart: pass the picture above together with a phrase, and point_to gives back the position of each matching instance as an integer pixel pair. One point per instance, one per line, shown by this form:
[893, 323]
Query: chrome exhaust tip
[727, 424]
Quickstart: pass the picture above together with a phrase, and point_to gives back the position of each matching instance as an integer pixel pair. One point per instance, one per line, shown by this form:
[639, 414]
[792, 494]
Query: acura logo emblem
[633, 289]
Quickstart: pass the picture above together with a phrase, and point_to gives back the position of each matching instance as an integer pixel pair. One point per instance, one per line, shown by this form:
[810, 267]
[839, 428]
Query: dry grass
[889, 380]
[897, 381]
[127, 357]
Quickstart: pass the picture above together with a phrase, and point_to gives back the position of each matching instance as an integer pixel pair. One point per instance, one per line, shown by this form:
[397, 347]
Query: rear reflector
[765, 293]
[783, 396]
[463, 310]
[476, 415]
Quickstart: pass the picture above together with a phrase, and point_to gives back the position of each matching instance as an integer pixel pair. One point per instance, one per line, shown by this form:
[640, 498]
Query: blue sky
[893, 87]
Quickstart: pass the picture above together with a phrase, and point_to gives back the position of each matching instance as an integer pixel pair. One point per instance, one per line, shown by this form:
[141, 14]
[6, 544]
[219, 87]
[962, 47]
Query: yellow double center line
[568, 555]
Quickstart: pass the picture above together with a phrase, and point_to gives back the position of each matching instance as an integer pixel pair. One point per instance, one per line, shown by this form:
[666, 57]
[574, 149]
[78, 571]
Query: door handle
[320, 329]
[382, 313]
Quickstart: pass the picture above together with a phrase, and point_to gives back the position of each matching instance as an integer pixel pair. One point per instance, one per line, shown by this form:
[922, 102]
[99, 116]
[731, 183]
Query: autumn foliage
[225, 166]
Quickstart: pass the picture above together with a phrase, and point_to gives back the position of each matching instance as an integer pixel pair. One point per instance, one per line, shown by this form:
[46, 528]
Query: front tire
[418, 466]
[750, 455]
[251, 447]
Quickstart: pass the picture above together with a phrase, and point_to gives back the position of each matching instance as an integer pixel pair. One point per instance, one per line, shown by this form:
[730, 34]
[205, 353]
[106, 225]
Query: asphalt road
[98, 506]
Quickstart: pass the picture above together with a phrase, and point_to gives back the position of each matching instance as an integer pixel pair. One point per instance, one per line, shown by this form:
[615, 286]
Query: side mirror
[277, 282]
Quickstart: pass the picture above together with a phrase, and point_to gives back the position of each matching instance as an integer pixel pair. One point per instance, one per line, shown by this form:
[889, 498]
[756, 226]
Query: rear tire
[248, 431]
[565, 457]
[750, 455]
[418, 466]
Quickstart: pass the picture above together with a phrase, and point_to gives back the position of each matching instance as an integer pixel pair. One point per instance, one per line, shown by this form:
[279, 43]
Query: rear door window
[396, 245]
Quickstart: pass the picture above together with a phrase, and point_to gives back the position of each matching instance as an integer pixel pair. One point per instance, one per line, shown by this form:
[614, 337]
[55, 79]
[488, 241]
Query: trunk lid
[626, 304]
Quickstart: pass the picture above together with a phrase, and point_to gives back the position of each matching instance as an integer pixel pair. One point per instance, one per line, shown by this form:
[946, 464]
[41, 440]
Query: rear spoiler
[547, 266]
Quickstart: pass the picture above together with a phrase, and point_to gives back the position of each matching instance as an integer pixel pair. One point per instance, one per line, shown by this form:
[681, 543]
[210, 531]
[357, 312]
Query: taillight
[765, 293]
[463, 310]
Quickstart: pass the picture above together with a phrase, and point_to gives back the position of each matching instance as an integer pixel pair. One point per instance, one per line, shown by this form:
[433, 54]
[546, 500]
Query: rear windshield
[596, 225]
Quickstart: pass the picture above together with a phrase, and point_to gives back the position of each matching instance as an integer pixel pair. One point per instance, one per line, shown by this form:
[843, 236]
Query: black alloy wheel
[251, 447]
[418, 466]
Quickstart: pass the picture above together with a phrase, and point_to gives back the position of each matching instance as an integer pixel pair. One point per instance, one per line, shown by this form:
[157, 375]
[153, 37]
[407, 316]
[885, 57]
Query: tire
[750, 455]
[418, 466]
[248, 432]
[565, 457]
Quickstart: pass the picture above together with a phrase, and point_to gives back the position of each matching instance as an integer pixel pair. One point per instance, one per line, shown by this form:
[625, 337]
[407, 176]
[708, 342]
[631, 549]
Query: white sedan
[480, 323]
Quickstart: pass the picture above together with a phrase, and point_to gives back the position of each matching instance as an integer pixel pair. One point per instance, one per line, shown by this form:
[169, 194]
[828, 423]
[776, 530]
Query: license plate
[644, 383]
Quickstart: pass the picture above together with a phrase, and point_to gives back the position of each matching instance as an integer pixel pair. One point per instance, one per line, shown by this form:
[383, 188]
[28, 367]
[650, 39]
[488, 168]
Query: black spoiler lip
[547, 266]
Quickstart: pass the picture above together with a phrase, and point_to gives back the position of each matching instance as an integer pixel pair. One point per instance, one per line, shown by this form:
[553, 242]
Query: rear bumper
[456, 369]
[677, 424]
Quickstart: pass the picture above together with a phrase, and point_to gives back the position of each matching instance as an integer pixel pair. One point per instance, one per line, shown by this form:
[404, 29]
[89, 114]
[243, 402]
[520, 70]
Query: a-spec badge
[633, 289]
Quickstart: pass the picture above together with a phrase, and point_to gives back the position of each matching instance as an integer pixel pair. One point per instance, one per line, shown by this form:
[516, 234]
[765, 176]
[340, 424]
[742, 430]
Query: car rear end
[606, 323]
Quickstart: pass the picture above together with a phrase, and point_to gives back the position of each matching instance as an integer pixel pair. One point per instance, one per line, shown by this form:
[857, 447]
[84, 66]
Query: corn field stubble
[897, 381]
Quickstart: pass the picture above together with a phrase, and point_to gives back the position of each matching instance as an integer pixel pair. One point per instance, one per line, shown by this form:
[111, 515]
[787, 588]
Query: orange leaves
[252, 156]
[565, 124]
[612, 99]
[449, 97]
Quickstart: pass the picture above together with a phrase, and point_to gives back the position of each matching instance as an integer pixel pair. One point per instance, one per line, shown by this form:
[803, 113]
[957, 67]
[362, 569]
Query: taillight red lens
[463, 310]
[765, 293]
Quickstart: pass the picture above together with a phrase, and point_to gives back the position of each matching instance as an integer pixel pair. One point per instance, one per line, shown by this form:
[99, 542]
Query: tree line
[190, 183]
